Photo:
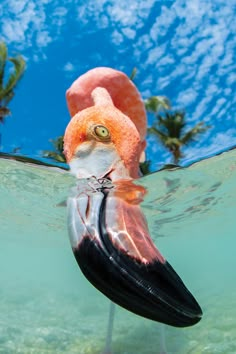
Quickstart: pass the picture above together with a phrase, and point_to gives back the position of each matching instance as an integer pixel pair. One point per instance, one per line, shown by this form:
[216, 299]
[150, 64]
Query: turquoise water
[47, 306]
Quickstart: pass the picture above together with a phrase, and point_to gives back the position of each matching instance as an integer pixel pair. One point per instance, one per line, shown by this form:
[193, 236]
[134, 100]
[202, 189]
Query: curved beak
[112, 246]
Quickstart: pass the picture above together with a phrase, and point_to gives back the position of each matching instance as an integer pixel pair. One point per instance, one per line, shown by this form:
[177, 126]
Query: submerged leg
[162, 340]
[107, 349]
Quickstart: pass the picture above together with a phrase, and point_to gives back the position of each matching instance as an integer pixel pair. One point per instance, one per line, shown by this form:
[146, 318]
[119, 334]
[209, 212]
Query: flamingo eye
[102, 132]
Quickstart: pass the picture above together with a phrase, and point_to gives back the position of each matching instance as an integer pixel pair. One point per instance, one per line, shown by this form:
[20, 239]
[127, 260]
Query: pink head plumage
[107, 96]
[123, 92]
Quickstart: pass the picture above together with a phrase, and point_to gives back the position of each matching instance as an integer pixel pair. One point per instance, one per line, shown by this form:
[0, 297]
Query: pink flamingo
[109, 235]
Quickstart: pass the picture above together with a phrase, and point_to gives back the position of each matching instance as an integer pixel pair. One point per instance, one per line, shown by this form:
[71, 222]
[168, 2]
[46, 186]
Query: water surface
[46, 304]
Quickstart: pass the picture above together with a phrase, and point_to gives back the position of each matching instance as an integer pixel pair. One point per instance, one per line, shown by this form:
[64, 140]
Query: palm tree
[170, 129]
[57, 154]
[8, 81]
[153, 104]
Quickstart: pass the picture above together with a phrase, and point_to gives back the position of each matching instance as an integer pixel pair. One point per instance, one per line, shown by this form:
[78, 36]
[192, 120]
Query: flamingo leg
[108, 345]
[163, 349]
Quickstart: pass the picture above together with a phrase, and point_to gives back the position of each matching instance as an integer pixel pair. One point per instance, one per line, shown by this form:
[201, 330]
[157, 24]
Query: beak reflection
[112, 246]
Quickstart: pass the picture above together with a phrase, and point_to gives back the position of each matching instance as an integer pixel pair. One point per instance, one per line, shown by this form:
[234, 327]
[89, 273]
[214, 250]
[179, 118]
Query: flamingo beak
[113, 248]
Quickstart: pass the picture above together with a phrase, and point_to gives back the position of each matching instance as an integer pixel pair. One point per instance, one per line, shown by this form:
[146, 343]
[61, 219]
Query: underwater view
[112, 91]
[47, 305]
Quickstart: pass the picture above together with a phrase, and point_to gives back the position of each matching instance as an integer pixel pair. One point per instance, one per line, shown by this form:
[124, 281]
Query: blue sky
[184, 50]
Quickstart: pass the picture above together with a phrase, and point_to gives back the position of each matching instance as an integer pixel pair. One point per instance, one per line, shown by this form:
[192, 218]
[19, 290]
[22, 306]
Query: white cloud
[117, 37]
[143, 42]
[212, 89]
[231, 78]
[18, 18]
[162, 23]
[227, 138]
[43, 39]
[60, 11]
[25, 23]
[129, 33]
[131, 13]
[217, 143]
[217, 106]
[179, 70]
[17, 6]
[122, 13]
[59, 18]
[204, 68]
[228, 91]
[125, 17]
[11, 31]
[187, 97]
[188, 50]
[69, 67]
[191, 47]
[155, 54]
[165, 61]
[162, 82]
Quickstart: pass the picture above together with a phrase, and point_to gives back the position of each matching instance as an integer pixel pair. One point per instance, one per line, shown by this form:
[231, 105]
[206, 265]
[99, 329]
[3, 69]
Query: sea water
[47, 306]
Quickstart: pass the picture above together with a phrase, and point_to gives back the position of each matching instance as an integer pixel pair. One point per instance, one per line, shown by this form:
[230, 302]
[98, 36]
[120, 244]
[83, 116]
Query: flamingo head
[101, 141]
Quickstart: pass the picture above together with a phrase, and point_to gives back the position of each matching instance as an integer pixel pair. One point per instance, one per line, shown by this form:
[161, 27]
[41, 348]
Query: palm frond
[58, 154]
[190, 135]
[54, 156]
[4, 112]
[145, 167]
[133, 74]
[7, 98]
[58, 143]
[159, 134]
[173, 123]
[19, 68]
[156, 104]
[3, 59]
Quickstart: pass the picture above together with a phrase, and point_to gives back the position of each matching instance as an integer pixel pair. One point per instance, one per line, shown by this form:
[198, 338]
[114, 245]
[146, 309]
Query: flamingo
[104, 143]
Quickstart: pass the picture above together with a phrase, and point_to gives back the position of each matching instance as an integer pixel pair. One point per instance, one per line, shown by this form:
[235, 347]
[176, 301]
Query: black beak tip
[154, 291]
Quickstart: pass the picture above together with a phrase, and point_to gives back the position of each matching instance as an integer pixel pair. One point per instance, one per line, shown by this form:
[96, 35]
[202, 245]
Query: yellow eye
[102, 132]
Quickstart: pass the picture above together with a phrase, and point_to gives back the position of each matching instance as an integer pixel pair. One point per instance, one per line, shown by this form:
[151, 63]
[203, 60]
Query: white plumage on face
[96, 159]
